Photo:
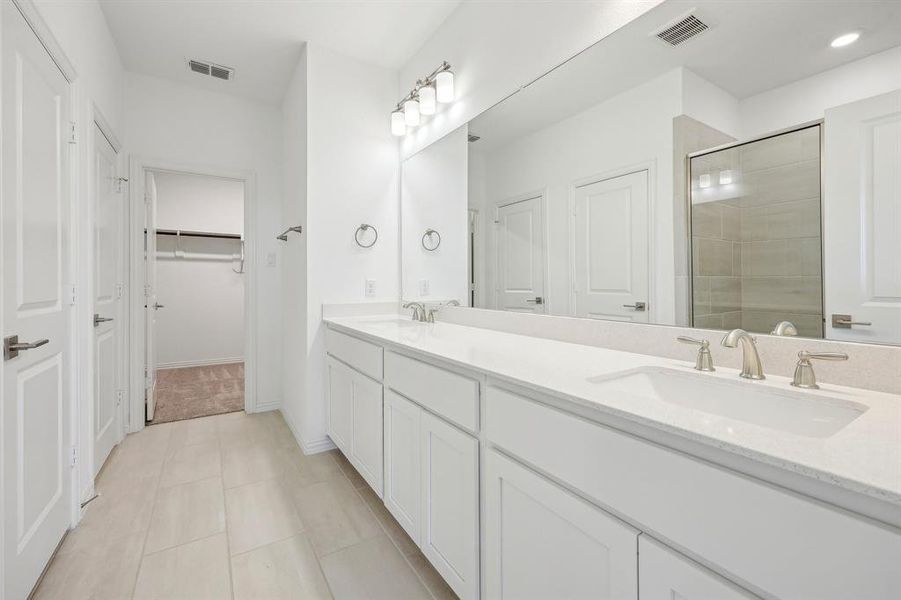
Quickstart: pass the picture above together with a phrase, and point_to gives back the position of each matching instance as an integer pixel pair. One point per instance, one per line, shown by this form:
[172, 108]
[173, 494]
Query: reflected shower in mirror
[706, 179]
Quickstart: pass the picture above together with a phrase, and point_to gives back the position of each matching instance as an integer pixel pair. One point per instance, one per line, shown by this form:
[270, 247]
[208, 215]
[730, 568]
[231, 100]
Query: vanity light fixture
[423, 99]
[725, 177]
[845, 39]
[704, 180]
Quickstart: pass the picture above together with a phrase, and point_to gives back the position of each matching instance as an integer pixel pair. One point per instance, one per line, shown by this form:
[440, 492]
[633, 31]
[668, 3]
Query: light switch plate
[370, 288]
[423, 287]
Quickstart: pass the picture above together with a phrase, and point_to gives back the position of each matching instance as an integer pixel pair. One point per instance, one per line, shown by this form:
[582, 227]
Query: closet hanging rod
[202, 234]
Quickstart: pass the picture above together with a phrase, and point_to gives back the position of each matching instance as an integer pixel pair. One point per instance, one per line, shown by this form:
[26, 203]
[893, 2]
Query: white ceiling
[752, 46]
[262, 39]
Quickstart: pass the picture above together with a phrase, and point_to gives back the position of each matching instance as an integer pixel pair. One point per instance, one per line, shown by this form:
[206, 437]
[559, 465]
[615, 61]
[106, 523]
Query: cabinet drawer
[763, 536]
[452, 396]
[363, 356]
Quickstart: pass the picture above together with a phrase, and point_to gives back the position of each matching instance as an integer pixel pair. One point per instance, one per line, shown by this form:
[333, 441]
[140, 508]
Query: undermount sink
[794, 412]
[395, 322]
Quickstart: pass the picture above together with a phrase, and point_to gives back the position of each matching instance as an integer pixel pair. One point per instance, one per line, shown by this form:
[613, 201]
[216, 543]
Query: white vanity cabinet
[541, 541]
[664, 574]
[402, 462]
[355, 420]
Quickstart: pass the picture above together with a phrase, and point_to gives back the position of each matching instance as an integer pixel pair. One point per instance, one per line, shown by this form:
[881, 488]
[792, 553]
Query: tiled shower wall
[757, 241]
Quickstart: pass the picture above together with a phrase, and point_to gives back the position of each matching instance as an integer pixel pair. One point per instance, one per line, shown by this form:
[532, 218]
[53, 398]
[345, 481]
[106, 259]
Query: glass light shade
[411, 113]
[444, 86]
[398, 124]
[428, 102]
[704, 180]
[844, 40]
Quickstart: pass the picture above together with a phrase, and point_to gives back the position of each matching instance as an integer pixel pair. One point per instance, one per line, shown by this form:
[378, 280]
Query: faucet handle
[804, 374]
[704, 361]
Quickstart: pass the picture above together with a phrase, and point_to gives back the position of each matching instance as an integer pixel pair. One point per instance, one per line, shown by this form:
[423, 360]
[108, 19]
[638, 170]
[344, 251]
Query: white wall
[497, 47]
[80, 29]
[203, 319]
[198, 203]
[294, 251]
[178, 123]
[434, 196]
[353, 177]
[808, 99]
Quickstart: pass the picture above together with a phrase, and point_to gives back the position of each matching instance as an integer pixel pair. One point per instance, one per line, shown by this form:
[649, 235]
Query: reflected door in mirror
[520, 256]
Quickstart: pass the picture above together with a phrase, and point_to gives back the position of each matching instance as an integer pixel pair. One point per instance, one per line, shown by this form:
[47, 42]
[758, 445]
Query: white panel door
[611, 249]
[449, 530]
[151, 304]
[402, 465]
[367, 426]
[340, 405]
[542, 542]
[664, 574]
[520, 256]
[35, 273]
[109, 265]
[862, 219]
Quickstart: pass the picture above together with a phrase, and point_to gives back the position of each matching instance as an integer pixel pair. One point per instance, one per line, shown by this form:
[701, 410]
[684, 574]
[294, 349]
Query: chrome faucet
[418, 310]
[804, 375]
[704, 361]
[751, 368]
[785, 328]
[430, 313]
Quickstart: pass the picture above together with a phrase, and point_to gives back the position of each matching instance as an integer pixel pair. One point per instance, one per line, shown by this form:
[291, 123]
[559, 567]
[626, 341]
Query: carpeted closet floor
[191, 392]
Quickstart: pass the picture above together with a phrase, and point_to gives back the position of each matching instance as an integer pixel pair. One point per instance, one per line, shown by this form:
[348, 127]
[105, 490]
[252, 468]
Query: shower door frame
[687, 167]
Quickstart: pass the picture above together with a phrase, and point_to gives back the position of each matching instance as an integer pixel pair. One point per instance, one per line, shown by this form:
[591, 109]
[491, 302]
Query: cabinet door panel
[450, 504]
[666, 574]
[366, 446]
[402, 465]
[543, 542]
[340, 410]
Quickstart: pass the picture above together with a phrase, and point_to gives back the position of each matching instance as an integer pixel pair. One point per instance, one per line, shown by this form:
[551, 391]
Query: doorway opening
[195, 278]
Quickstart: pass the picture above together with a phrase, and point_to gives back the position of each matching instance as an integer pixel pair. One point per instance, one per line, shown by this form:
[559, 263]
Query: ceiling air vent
[682, 30]
[217, 71]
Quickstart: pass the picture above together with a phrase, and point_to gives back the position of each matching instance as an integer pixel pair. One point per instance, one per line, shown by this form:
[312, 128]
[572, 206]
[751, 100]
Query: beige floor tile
[240, 429]
[389, 524]
[186, 512]
[334, 516]
[283, 570]
[243, 464]
[314, 468]
[258, 514]
[191, 432]
[373, 569]
[431, 578]
[102, 571]
[192, 463]
[349, 471]
[195, 571]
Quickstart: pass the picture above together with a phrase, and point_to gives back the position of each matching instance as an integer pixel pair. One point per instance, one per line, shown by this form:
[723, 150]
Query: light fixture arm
[421, 83]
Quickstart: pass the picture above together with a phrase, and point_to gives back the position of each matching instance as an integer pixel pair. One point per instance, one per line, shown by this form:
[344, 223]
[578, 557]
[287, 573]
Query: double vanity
[532, 468]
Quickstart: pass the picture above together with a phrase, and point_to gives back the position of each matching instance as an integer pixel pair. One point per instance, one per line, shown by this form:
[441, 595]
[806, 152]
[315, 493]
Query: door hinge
[73, 458]
[148, 290]
[120, 287]
[121, 183]
[72, 133]
[120, 396]
[73, 295]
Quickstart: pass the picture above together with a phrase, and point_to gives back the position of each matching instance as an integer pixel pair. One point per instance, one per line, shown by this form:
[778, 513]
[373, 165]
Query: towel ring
[429, 233]
[364, 228]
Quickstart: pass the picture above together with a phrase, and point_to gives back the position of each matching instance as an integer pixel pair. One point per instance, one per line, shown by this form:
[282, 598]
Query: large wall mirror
[711, 164]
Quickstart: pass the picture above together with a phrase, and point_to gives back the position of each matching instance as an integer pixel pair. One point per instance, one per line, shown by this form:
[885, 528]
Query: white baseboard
[323, 445]
[200, 363]
[268, 406]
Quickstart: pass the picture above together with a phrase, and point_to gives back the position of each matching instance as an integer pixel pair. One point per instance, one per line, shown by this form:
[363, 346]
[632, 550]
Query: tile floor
[229, 507]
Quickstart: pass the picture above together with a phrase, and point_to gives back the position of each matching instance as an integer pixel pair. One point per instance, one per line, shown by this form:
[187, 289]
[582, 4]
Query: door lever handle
[536, 300]
[638, 306]
[12, 346]
[845, 322]
[98, 319]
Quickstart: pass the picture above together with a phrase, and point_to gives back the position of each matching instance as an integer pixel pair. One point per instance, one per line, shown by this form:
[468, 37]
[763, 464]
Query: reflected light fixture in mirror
[398, 123]
[428, 102]
[725, 177]
[704, 180]
[411, 112]
[845, 40]
[444, 82]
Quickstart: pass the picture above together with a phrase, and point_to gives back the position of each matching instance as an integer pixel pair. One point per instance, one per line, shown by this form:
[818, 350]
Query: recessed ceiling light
[845, 39]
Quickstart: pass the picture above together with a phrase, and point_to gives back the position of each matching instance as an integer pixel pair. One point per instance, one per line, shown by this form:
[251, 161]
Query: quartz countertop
[862, 457]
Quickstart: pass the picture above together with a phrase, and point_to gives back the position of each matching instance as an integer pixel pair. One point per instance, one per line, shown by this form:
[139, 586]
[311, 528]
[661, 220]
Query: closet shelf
[202, 234]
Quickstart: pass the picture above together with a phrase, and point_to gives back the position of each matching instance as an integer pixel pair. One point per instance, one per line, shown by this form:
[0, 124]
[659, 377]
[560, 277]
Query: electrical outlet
[271, 259]
[423, 287]
[370, 288]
